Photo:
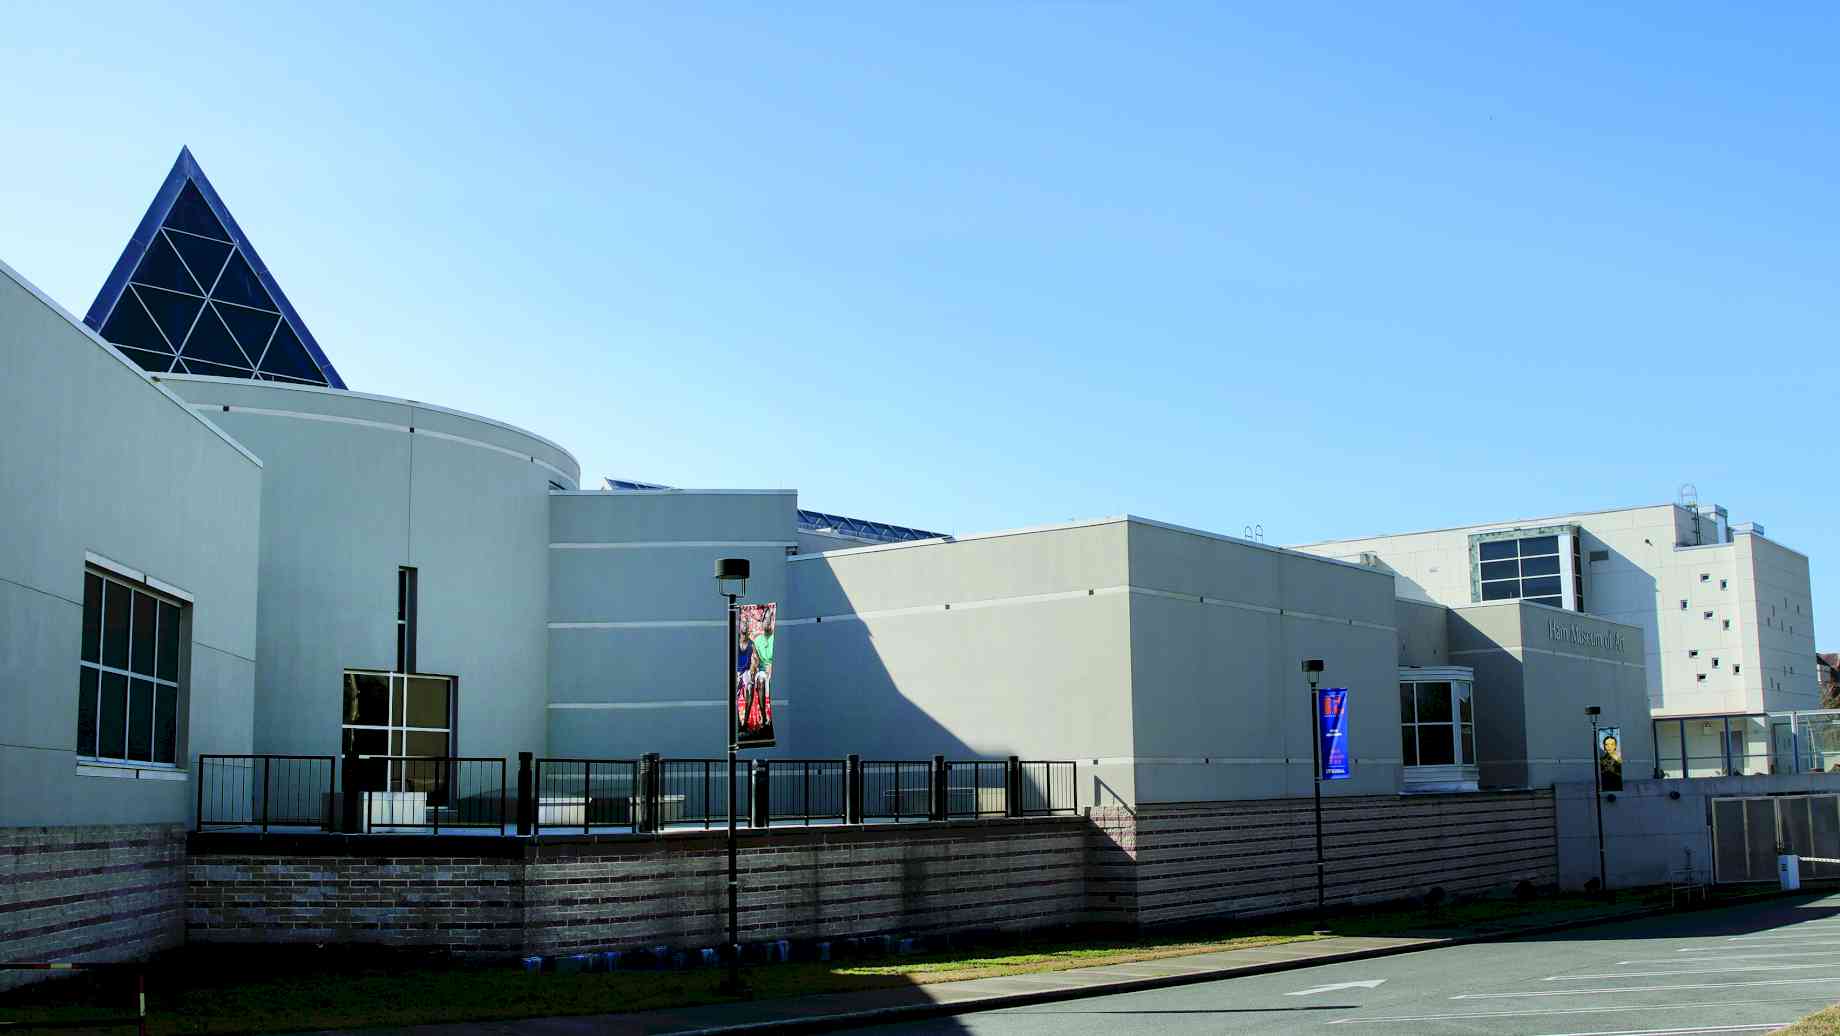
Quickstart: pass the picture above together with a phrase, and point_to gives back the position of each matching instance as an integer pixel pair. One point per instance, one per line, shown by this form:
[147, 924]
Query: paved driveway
[1735, 970]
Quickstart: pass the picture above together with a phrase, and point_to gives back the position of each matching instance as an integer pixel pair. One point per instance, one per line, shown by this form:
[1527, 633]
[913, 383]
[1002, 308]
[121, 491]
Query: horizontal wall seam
[385, 426]
[1098, 591]
[653, 544]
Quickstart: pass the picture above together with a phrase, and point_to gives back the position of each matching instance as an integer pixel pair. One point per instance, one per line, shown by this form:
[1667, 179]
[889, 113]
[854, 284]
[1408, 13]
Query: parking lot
[1749, 968]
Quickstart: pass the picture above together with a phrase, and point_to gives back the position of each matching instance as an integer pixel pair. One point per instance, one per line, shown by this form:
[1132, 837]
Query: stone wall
[89, 893]
[489, 896]
[574, 894]
[1173, 863]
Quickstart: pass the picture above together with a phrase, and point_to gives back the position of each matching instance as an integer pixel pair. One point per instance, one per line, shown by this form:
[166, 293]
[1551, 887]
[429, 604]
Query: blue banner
[1332, 727]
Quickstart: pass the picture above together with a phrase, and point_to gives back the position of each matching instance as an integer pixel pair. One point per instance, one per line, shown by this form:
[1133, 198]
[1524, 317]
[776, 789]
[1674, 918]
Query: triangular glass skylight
[190, 295]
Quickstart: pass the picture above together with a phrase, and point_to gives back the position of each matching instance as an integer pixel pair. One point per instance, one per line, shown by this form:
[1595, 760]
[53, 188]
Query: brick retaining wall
[568, 895]
[89, 893]
[1169, 863]
[1161, 864]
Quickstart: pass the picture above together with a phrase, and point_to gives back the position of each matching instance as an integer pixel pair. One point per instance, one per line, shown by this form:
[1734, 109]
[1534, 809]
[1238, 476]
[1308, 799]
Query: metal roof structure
[190, 295]
[819, 521]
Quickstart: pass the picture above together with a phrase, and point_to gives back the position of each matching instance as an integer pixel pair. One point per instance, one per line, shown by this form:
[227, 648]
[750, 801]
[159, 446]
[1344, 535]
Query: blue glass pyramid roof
[190, 295]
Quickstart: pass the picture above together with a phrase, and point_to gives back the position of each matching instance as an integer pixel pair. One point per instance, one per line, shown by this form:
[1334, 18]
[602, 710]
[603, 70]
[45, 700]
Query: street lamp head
[731, 576]
[1592, 710]
[1312, 665]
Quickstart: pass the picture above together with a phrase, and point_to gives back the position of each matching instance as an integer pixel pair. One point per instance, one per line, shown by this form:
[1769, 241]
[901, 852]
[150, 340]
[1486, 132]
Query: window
[1736, 668]
[1683, 604]
[1705, 615]
[1527, 569]
[1599, 555]
[1705, 577]
[1702, 677]
[397, 714]
[1722, 584]
[1693, 652]
[1437, 724]
[1715, 661]
[128, 678]
[405, 619]
[1727, 623]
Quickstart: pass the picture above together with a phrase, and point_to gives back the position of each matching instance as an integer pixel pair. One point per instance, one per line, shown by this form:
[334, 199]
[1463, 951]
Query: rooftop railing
[440, 795]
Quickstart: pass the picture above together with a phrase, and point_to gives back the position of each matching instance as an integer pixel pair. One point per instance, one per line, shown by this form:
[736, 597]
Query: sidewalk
[844, 1010]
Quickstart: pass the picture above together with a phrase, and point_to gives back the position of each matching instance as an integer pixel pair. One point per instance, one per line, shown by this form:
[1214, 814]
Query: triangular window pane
[158, 363]
[211, 342]
[239, 285]
[192, 214]
[287, 358]
[203, 257]
[172, 311]
[131, 327]
[250, 326]
[161, 268]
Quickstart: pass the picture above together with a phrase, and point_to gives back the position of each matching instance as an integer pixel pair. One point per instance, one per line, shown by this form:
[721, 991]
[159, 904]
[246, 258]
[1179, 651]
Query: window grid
[1525, 569]
[149, 658]
[1436, 742]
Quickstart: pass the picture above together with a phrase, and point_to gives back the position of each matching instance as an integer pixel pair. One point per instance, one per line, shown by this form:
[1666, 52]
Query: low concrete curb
[998, 1001]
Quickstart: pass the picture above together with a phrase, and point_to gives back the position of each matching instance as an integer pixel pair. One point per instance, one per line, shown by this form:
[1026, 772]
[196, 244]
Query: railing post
[328, 819]
[853, 789]
[450, 791]
[198, 779]
[526, 794]
[649, 795]
[1012, 787]
[762, 784]
[348, 802]
[265, 762]
[937, 803]
[636, 803]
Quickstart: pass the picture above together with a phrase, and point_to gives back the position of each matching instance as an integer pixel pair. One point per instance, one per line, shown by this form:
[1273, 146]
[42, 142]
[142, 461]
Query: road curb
[917, 1012]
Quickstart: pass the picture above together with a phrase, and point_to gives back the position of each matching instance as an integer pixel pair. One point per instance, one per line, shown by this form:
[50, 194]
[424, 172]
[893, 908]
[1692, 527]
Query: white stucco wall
[95, 458]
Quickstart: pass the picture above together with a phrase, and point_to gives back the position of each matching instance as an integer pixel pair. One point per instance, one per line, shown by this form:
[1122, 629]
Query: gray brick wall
[89, 894]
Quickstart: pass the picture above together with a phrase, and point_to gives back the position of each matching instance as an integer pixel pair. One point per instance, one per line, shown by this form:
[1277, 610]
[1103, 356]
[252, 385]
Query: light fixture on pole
[1597, 788]
[1312, 671]
[731, 582]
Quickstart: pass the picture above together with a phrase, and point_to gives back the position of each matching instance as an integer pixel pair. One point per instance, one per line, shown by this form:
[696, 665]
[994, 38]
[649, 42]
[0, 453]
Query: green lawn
[214, 989]
[1820, 1023]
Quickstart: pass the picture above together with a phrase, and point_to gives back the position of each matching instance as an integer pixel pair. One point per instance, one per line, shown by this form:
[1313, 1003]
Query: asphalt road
[1735, 970]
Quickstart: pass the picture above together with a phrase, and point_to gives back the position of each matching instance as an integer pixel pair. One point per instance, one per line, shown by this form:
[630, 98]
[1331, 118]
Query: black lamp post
[1597, 788]
[1312, 671]
[731, 582]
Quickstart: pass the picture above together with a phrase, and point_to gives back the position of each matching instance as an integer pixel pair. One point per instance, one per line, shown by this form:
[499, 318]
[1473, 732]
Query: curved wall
[354, 486]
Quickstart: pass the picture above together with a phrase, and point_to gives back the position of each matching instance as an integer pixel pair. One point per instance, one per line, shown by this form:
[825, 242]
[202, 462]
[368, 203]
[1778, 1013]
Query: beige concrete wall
[97, 459]
[988, 646]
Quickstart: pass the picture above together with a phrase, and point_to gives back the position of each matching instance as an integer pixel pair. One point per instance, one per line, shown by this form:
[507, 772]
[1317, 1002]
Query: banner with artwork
[1332, 727]
[1610, 757]
[754, 675]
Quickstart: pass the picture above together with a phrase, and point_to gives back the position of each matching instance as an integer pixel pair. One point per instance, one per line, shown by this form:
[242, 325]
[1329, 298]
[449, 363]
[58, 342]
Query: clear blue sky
[1335, 270]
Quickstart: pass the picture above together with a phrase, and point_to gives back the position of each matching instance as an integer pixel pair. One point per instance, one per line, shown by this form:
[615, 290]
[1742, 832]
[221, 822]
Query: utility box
[1789, 869]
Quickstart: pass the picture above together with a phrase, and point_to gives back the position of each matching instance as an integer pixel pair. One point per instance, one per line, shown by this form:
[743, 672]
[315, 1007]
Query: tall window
[1438, 724]
[1526, 568]
[405, 619]
[128, 679]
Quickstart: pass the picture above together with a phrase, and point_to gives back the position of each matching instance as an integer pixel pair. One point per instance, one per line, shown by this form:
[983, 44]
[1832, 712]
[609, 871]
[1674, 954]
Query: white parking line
[1722, 957]
[1720, 970]
[1720, 948]
[1647, 989]
[1765, 1027]
[1545, 1011]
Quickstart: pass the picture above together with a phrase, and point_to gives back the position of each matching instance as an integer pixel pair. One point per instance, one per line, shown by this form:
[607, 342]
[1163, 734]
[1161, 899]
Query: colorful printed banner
[753, 653]
[1332, 728]
[1610, 757]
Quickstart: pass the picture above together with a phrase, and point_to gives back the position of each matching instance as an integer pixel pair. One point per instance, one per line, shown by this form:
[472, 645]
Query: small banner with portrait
[1610, 757]
[754, 675]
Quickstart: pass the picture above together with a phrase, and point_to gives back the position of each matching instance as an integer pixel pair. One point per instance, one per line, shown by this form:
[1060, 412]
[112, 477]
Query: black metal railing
[1046, 787]
[264, 791]
[648, 794]
[977, 789]
[585, 794]
[801, 790]
[399, 792]
[695, 792]
[897, 789]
